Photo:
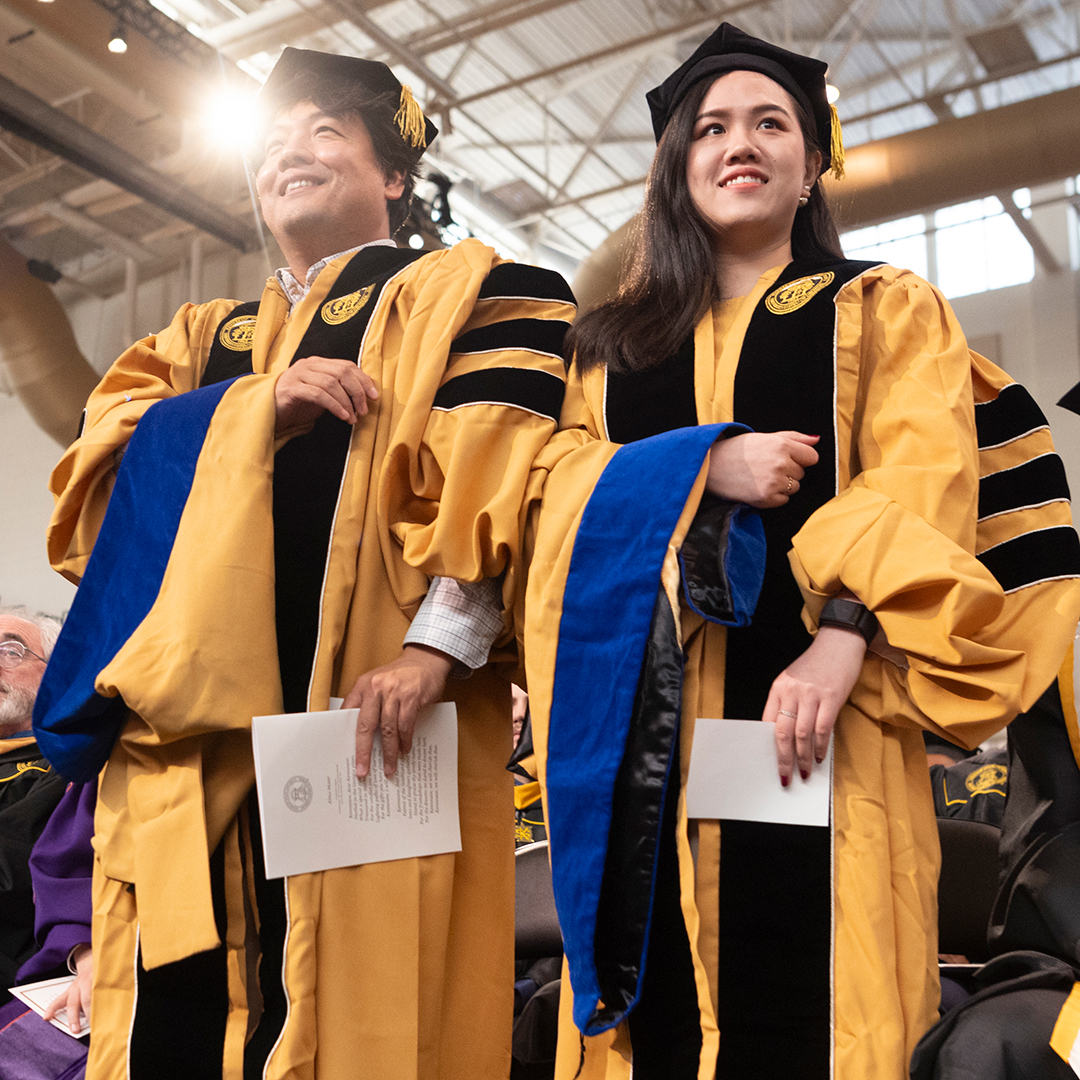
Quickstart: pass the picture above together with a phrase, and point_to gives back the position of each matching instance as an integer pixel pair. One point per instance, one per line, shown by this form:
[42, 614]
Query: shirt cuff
[459, 618]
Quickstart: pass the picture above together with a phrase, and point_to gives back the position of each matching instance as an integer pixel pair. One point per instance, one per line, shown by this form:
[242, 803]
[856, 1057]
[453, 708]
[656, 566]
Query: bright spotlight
[832, 93]
[228, 117]
[416, 241]
[118, 42]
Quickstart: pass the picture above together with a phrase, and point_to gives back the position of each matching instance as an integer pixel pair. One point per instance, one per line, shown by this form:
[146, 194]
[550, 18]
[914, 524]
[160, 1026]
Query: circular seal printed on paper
[345, 307]
[795, 294]
[986, 778]
[237, 334]
[298, 793]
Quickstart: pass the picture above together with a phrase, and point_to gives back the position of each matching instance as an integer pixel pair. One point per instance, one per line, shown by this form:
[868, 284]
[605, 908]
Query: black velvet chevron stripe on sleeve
[1033, 483]
[533, 335]
[520, 280]
[1055, 552]
[1012, 414]
[538, 392]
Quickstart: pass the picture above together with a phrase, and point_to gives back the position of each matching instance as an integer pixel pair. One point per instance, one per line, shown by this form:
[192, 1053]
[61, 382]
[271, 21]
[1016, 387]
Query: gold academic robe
[393, 970]
[903, 533]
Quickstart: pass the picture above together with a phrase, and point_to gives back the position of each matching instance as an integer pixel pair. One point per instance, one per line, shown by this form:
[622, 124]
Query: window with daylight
[901, 243]
[963, 249]
[979, 247]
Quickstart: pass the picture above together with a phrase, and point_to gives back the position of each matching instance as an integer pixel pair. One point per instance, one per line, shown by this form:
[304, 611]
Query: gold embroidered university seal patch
[237, 334]
[795, 294]
[345, 307]
[986, 778]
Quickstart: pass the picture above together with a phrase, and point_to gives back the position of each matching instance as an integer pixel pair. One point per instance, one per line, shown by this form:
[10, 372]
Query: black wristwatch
[850, 615]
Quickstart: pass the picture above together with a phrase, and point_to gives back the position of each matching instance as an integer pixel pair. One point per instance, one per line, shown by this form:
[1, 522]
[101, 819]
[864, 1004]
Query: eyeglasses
[13, 653]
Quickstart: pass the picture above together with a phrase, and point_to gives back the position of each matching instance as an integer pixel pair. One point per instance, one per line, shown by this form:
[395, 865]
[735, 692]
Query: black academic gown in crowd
[29, 791]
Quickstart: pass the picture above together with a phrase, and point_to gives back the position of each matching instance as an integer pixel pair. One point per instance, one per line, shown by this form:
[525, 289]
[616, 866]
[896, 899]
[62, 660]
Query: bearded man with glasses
[29, 788]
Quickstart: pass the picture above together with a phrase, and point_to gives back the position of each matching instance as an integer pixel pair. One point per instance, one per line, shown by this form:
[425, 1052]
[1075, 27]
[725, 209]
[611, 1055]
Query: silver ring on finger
[790, 484]
[785, 712]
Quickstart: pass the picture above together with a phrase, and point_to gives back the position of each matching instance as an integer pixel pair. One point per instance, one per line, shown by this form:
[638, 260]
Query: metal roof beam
[97, 232]
[35, 120]
[353, 11]
[29, 176]
[594, 141]
[269, 26]
[656, 38]
[475, 23]
[935, 101]
[1046, 258]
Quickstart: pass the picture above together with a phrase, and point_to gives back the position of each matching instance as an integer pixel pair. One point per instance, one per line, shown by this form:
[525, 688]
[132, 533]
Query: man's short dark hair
[376, 111]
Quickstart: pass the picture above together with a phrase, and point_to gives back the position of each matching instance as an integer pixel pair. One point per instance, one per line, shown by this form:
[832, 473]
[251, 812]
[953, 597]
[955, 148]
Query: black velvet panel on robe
[775, 888]
[308, 471]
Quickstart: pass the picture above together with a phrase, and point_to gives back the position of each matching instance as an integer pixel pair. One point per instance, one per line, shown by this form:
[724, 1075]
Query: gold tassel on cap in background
[836, 145]
[410, 119]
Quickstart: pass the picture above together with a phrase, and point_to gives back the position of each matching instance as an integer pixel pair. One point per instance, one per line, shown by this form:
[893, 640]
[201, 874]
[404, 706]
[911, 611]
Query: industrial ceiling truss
[541, 102]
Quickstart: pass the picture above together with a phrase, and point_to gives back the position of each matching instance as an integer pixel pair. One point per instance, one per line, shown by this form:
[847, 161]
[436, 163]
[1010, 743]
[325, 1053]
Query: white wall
[27, 455]
[99, 324]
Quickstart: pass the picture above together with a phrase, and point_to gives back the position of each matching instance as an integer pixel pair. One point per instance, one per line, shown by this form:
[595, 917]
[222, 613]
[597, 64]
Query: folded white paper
[40, 995]
[733, 776]
[316, 815]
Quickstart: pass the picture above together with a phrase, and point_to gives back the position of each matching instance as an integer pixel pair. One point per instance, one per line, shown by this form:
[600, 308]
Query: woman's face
[747, 164]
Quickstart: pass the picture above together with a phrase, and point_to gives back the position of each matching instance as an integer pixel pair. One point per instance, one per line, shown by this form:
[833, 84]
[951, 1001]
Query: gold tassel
[836, 145]
[410, 119]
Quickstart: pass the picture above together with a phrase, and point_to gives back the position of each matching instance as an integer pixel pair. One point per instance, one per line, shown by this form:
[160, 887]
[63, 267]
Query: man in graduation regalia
[319, 495]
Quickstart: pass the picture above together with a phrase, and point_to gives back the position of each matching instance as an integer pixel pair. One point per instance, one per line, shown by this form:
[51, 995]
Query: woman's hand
[807, 696]
[760, 470]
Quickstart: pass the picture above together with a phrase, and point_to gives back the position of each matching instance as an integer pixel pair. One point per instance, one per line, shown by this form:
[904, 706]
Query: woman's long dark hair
[672, 275]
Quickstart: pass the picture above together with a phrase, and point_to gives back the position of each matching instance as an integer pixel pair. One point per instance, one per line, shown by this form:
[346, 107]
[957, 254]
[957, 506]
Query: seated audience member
[940, 751]
[62, 867]
[529, 827]
[973, 788]
[29, 788]
[1003, 1031]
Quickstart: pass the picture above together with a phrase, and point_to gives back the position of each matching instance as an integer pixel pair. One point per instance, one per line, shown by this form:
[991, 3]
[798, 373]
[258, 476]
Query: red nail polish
[785, 780]
[804, 774]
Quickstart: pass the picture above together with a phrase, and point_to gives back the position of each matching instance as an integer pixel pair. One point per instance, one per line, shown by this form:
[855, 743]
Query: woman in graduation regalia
[900, 593]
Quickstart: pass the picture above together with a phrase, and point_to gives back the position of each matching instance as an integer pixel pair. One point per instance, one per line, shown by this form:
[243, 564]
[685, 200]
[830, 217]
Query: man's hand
[316, 385]
[762, 470]
[389, 699]
[77, 995]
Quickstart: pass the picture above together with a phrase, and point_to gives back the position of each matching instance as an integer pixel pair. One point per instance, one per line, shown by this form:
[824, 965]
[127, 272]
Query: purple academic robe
[61, 867]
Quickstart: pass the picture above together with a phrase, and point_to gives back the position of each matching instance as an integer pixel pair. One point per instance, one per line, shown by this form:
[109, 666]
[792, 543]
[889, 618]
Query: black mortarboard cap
[416, 129]
[1071, 400]
[728, 48]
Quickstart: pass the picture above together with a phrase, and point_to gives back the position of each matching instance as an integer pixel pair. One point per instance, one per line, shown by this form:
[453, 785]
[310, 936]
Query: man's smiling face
[321, 185]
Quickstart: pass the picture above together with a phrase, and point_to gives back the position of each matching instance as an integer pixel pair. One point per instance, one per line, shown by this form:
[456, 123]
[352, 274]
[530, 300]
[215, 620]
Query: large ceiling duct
[1021, 145]
[39, 359]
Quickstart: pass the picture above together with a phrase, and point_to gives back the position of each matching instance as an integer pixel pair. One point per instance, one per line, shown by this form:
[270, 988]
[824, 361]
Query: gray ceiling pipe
[597, 278]
[38, 352]
[1022, 145]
